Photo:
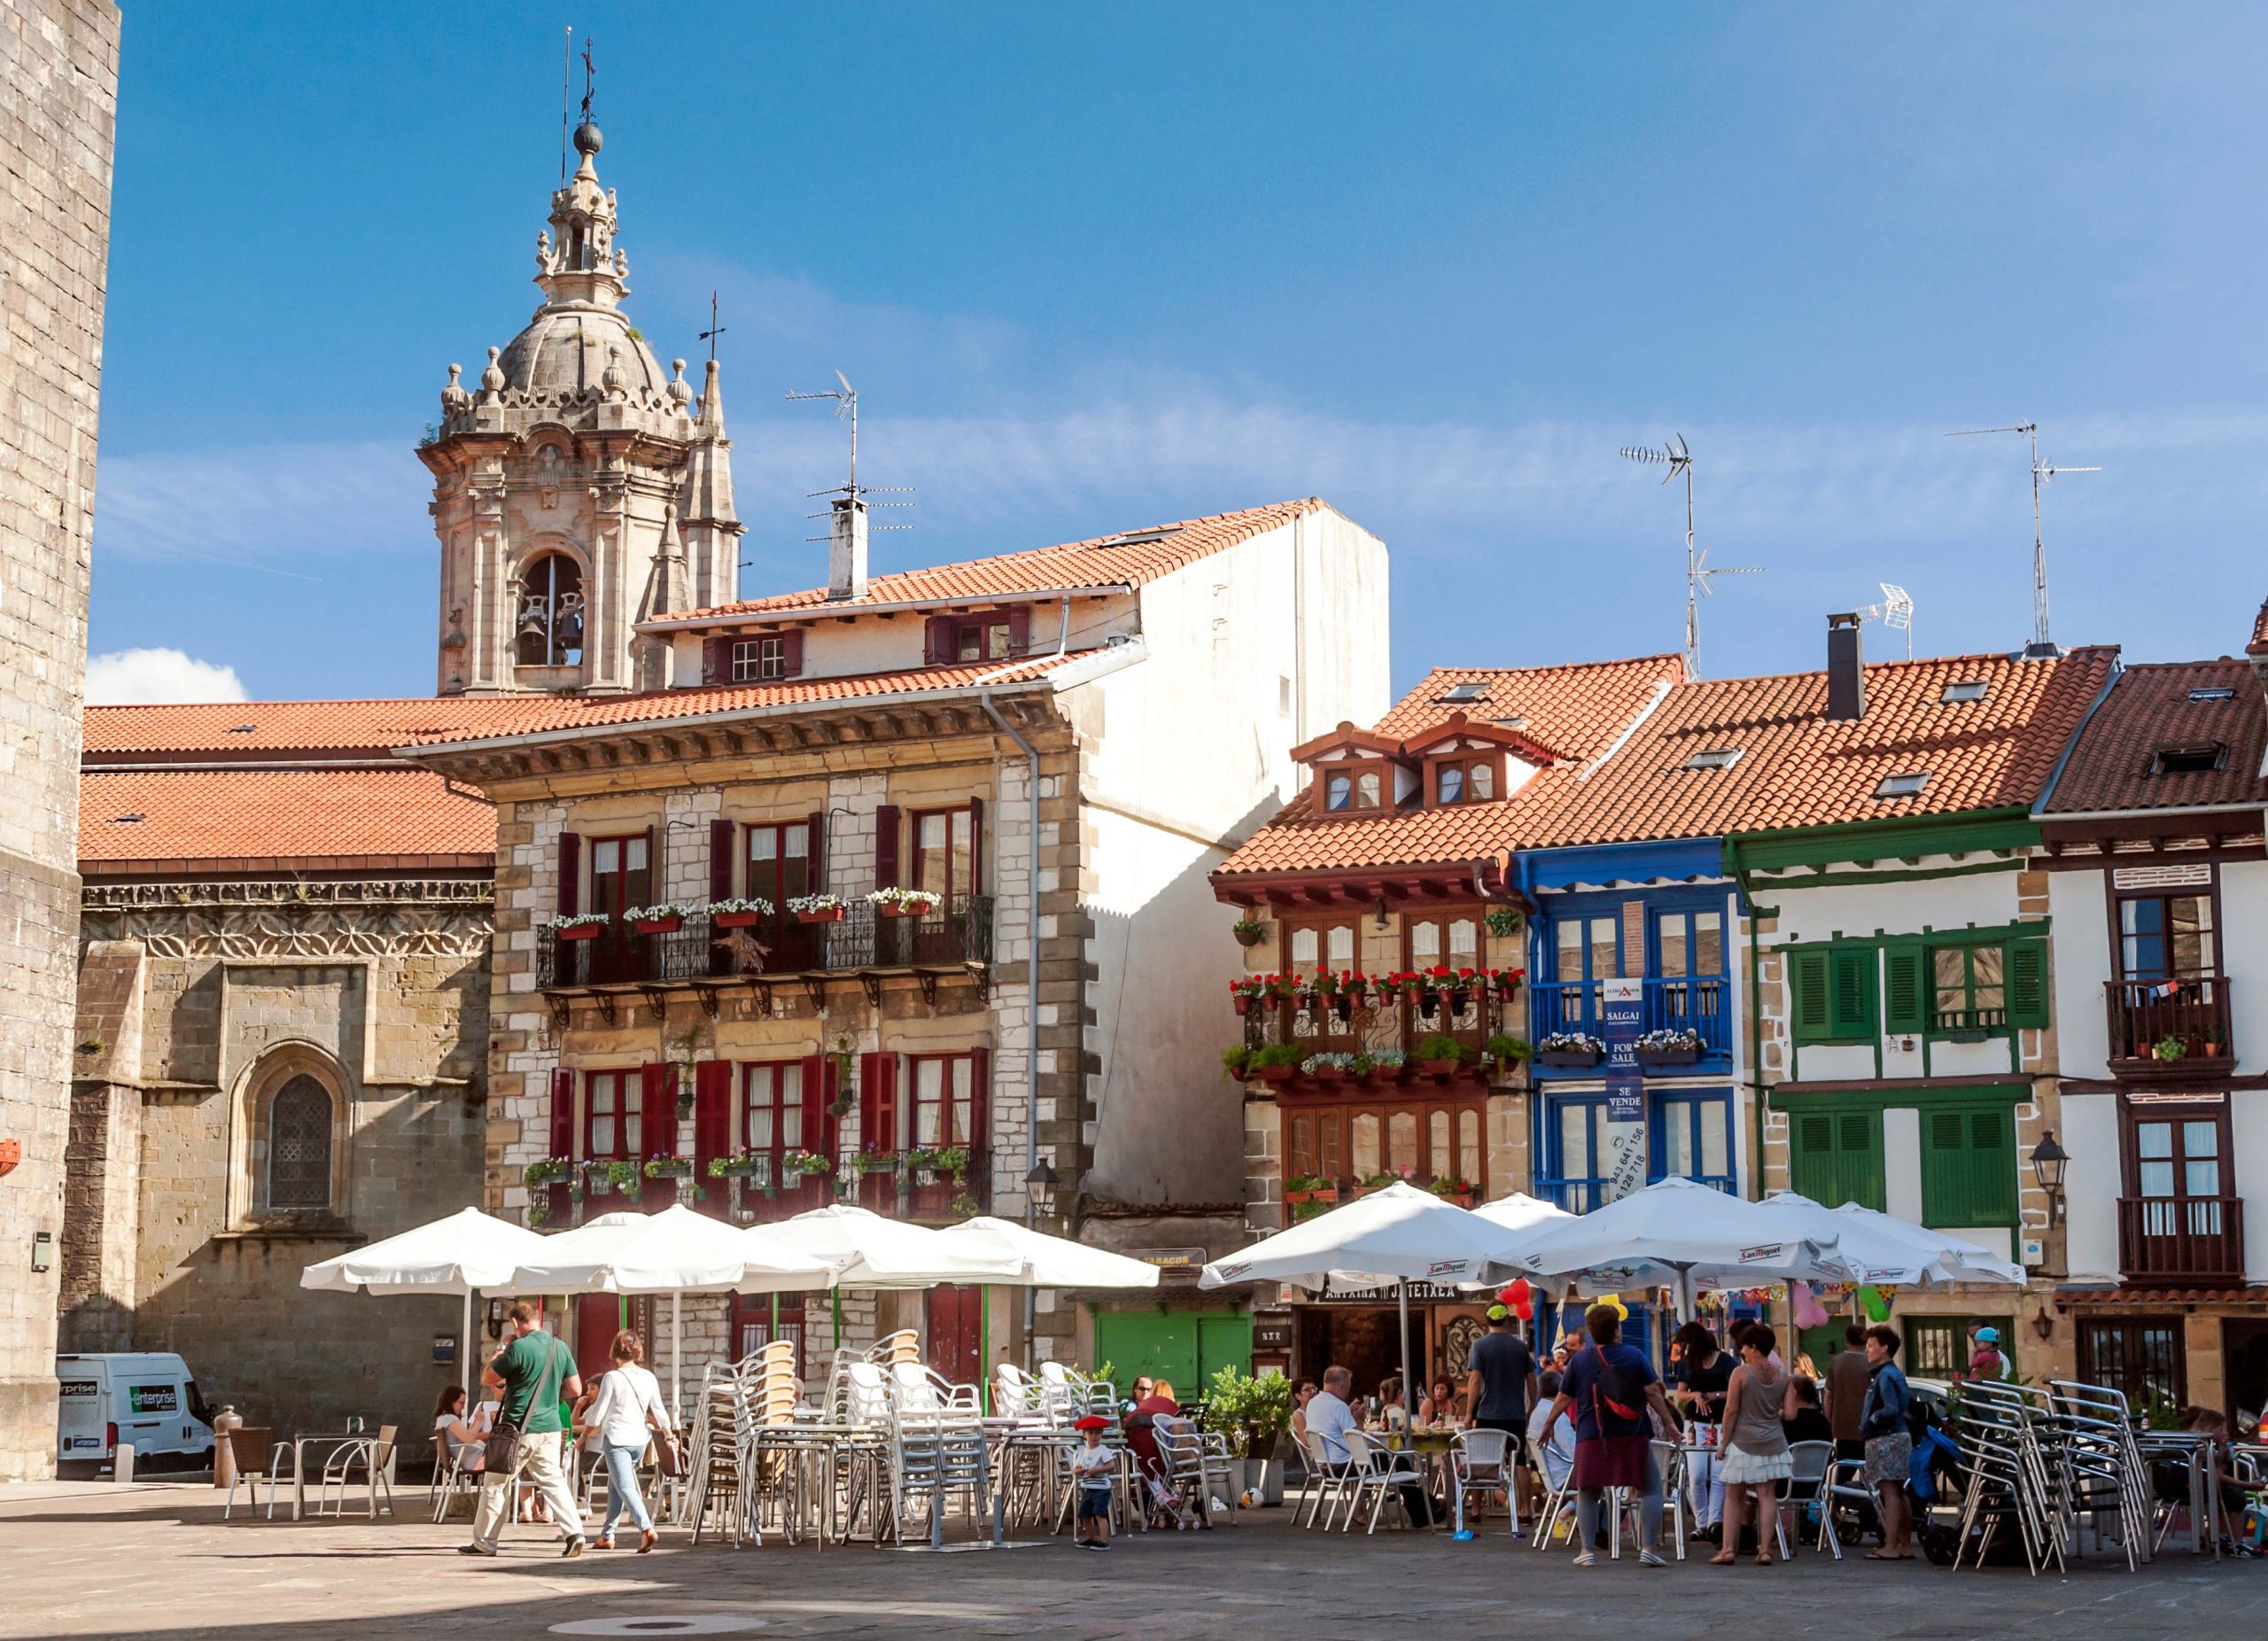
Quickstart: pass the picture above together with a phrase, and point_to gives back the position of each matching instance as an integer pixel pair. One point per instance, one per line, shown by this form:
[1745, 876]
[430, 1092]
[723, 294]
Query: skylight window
[1713, 758]
[2213, 692]
[1135, 538]
[2198, 758]
[1463, 692]
[241, 730]
[127, 820]
[1964, 690]
[1903, 786]
[1517, 721]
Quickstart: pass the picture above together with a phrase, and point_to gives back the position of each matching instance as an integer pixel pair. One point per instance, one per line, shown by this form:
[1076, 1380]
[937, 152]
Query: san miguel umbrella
[466, 1252]
[1048, 1262]
[675, 1252]
[870, 1251]
[1398, 1235]
[1679, 1234]
[1951, 1259]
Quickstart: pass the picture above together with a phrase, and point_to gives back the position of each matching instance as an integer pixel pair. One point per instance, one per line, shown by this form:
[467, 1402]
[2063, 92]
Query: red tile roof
[1128, 559]
[2149, 708]
[267, 728]
[552, 715]
[1578, 711]
[1799, 769]
[144, 820]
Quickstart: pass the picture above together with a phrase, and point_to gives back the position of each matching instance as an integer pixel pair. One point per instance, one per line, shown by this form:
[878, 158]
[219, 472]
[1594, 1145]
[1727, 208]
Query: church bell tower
[578, 490]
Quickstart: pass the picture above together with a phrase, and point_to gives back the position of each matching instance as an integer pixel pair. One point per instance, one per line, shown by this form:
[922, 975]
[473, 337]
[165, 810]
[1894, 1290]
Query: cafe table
[1432, 1445]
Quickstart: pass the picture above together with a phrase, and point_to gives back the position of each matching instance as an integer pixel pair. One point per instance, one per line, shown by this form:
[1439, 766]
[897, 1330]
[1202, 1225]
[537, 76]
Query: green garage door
[1187, 1347]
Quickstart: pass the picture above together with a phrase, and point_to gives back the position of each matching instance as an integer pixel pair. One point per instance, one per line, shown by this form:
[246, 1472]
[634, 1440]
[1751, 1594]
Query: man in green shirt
[531, 1375]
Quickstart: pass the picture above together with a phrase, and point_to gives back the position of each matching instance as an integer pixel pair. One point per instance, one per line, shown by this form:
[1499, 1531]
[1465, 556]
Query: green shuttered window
[1969, 1166]
[1834, 989]
[1836, 1156]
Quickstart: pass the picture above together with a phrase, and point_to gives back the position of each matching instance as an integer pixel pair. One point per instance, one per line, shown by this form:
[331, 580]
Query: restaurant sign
[1420, 1293]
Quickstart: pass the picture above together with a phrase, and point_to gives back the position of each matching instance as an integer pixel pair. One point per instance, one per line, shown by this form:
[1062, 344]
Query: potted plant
[668, 1165]
[2169, 1050]
[1440, 1056]
[1378, 1181]
[806, 1165]
[1310, 1188]
[1251, 1415]
[1390, 1065]
[1327, 1068]
[739, 913]
[1570, 1048]
[1361, 1069]
[1669, 1046]
[902, 902]
[740, 1165]
[874, 1160]
[963, 1203]
[547, 1170]
[817, 908]
[1503, 1052]
[1245, 992]
[1235, 1060]
[1459, 987]
[663, 918]
[1249, 931]
[923, 1163]
[581, 926]
[951, 1161]
[598, 1177]
[1507, 980]
[1460, 1192]
[1277, 1062]
[1503, 922]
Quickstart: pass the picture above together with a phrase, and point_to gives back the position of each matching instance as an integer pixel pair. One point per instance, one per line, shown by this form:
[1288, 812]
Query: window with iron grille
[298, 1146]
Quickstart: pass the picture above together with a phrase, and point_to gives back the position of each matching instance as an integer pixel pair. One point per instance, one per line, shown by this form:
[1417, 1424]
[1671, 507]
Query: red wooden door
[954, 1319]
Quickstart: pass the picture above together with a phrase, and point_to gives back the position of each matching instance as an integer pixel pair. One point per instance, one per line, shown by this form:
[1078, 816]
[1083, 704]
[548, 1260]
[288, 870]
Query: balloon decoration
[1875, 1303]
[1809, 1311]
[1520, 1298]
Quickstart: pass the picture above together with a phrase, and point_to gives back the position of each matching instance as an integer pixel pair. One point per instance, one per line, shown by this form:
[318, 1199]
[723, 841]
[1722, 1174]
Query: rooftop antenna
[566, 96]
[846, 408]
[1896, 611]
[2042, 647]
[1679, 459]
[715, 330]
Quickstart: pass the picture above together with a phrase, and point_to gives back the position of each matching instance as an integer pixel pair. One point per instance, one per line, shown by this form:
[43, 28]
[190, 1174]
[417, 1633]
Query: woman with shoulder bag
[629, 1413]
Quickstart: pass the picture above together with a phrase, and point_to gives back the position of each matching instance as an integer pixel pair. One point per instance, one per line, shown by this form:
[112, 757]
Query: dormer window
[988, 635]
[1345, 790]
[1713, 758]
[1964, 690]
[1464, 780]
[1903, 786]
[983, 640]
[2198, 757]
[765, 658]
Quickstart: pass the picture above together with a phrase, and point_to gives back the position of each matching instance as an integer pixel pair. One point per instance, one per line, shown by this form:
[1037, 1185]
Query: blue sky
[1095, 268]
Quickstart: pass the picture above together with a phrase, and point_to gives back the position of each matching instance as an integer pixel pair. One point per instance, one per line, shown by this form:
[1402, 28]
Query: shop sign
[1420, 1293]
[1175, 1265]
[1271, 1331]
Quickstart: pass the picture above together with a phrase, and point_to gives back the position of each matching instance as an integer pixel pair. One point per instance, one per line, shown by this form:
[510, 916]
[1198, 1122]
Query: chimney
[1846, 671]
[846, 549]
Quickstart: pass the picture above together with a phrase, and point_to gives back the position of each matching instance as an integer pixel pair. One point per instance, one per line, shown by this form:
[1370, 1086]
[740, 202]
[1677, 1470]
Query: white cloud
[159, 677]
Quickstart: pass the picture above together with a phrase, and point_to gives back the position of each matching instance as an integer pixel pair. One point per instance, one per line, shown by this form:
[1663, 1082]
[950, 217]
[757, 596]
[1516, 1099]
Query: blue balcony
[1701, 1004]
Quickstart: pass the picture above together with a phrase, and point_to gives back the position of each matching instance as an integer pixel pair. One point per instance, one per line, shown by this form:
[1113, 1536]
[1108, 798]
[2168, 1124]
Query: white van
[145, 1398]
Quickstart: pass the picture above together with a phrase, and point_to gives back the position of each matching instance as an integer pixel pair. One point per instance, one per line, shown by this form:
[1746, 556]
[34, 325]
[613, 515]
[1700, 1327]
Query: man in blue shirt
[1609, 1388]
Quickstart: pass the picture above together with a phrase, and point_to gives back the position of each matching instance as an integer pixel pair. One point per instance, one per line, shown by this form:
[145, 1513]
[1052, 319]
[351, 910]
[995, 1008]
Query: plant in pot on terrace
[1236, 1060]
[874, 1160]
[951, 1161]
[1361, 1067]
[805, 1165]
[662, 918]
[1276, 1063]
[1310, 1188]
[1389, 1065]
[1438, 1055]
[1250, 1413]
[738, 1165]
[1327, 1067]
[1246, 993]
[580, 925]
[2167, 1050]
[921, 1162]
[899, 902]
[1669, 1046]
[817, 908]
[1569, 1048]
[739, 913]
[1504, 1050]
[1453, 1190]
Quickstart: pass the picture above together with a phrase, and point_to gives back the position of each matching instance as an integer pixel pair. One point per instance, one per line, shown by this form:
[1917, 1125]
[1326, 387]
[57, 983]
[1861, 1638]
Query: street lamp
[2048, 1162]
[1039, 1184]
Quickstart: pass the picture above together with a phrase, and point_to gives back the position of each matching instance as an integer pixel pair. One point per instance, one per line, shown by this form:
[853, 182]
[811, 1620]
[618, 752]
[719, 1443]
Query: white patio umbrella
[675, 1252]
[1398, 1235]
[1522, 1212]
[867, 1251]
[1050, 1261]
[1679, 1234]
[465, 1252]
[1955, 1261]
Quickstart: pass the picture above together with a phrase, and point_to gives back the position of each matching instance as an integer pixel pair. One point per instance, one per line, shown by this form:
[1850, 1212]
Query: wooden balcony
[2182, 1241]
[2151, 1020]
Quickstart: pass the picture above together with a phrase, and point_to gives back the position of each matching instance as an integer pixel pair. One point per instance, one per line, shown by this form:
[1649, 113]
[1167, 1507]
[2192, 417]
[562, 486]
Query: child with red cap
[1093, 1467]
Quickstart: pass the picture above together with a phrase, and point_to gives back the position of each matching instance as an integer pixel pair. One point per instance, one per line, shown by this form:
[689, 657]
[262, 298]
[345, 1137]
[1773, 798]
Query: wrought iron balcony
[2171, 1028]
[929, 1194]
[862, 941]
[2182, 1241]
[1701, 1004]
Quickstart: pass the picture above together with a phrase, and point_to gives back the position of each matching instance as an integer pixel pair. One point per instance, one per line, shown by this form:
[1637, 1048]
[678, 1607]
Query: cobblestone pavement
[93, 1560]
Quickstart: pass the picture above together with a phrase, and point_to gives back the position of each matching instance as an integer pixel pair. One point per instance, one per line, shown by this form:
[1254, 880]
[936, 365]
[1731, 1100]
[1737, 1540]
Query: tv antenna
[1679, 459]
[566, 96]
[853, 494]
[2041, 647]
[1896, 611]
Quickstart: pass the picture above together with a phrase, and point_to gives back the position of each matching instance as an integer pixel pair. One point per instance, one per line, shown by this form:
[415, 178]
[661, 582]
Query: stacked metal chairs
[2088, 1434]
[2050, 1463]
[718, 1442]
[938, 1449]
[2009, 1482]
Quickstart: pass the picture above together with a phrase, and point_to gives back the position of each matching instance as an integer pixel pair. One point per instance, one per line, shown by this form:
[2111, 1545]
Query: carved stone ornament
[394, 917]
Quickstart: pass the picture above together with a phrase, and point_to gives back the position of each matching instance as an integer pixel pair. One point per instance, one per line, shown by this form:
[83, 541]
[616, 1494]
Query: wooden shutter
[937, 639]
[1808, 1000]
[1906, 982]
[816, 871]
[562, 1112]
[791, 652]
[980, 1098]
[715, 665]
[712, 1126]
[655, 892]
[878, 1102]
[1836, 1156]
[976, 876]
[1850, 998]
[818, 1094]
[1969, 1166]
[720, 861]
[1020, 630]
[2028, 982]
[571, 874]
[656, 1109]
[886, 847]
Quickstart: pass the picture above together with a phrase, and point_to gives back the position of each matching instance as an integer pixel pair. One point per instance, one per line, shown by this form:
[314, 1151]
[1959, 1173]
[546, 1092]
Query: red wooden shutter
[714, 668]
[816, 850]
[562, 1112]
[819, 1094]
[886, 847]
[980, 1098]
[657, 1109]
[878, 1102]
[720, 860]
[975, 884]
[712, 1126]
[1020, 629]
[937, 639]
[791, 652]
[655, 894]
[571, 874]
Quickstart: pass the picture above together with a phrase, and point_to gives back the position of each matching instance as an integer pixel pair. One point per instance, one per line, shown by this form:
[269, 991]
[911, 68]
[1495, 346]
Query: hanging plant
[1249, 931]
[1502, 921]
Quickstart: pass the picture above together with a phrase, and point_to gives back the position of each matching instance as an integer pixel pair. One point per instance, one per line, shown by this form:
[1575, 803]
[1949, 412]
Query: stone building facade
[59, 92]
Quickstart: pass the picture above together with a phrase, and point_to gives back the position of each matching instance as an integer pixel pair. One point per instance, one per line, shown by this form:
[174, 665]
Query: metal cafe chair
[1380, 1472]
[1481, 1461]
[260, 1461]
[374, 1456]
[1197, 1466]
[1557, 1498]
[1808, 1485]
[456, 1479]
[1327, 1484]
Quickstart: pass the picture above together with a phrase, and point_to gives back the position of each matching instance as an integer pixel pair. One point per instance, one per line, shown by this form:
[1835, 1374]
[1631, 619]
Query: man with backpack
[1609, 1388]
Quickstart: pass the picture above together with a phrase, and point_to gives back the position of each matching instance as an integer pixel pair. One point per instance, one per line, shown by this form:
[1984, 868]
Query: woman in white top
[628, 1411]
[462, 1441]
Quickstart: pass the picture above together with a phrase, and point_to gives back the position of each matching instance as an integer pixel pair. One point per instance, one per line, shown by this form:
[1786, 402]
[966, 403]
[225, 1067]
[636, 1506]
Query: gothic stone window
[551, 613]
[298, 1146]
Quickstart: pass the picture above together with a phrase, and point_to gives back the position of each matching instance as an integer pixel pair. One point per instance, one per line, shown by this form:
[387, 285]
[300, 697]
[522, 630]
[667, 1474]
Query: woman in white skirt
[1754, 1447]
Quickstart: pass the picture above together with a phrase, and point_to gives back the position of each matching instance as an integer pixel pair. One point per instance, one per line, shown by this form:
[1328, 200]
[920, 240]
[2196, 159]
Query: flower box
[1462, 1199]
[1439, 1068]
[1330, 1076]
[577, 931]
[1278, 1074]
[904, 908]
[1321, 1193]
[823, 915]
[1684, 1056]
[657, 925]
[737, 920]
[1567, 1057]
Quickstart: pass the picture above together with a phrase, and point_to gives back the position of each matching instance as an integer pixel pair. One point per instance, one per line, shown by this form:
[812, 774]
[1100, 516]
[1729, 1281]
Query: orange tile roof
[1092, 563]
[269, 727]
[555, 714]
[1576, 710]
[276, 818]
[1797, 769]
[2149, 708]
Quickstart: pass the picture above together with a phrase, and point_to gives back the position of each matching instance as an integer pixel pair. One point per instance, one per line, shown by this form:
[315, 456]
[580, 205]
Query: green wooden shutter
[1969, 1166]
[2028, 982]
[1850, 1003]
[1811, 1155]
[1905, 987]
[1858, 1147]
[1807, 980]
[1992, 1166]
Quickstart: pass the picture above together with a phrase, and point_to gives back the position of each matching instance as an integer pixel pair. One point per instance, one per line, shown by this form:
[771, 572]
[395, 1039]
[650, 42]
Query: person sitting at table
[1301, 1397]
[1698, 1380]
[1393, 1412]
[2236, 1491]
[1803, 1418]
[1141, 1420]
[1441, 1405]
[459, 1440]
